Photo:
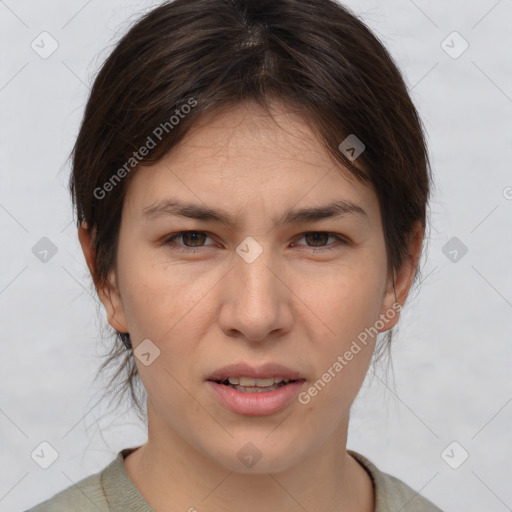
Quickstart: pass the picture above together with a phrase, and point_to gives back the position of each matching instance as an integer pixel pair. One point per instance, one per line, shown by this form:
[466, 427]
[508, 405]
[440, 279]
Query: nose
[256, 303]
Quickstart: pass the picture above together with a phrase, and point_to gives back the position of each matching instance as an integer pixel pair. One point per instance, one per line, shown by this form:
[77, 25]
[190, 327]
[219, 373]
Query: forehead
[242, 156]
[247, 127]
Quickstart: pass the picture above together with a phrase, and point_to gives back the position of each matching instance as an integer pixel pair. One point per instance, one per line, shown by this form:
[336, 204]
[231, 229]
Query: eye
[188, 237]
[194, 240]
[318, 237]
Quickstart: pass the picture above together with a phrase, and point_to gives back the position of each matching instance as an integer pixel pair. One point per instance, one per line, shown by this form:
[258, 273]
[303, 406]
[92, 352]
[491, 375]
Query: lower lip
[256, 404]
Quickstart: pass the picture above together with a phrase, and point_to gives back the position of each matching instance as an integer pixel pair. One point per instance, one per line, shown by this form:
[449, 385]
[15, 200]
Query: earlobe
[107, 292]
[399, 285]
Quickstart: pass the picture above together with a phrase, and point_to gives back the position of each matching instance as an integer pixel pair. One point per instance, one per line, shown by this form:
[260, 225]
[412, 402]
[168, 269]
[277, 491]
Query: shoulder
[392, 494]
[86, 495]
[109, 489]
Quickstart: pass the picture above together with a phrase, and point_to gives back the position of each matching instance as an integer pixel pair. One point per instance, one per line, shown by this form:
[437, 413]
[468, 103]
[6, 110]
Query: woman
[251, 182]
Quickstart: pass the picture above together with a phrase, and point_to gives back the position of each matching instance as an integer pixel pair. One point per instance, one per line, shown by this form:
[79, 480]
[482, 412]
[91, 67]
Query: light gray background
[452, 357]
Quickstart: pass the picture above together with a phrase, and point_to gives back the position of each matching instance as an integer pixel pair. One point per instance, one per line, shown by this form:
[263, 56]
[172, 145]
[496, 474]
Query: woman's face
[269, 287]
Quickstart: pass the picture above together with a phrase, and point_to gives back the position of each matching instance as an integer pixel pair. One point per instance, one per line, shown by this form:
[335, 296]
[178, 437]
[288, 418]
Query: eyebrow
[175, 207]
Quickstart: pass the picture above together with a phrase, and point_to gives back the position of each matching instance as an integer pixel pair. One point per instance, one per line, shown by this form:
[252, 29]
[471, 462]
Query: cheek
[345, 300]
[158, 297]
[348, 305]
[341, 352]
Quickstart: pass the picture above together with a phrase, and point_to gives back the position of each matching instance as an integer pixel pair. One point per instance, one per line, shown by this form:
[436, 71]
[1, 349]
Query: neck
[172, 474]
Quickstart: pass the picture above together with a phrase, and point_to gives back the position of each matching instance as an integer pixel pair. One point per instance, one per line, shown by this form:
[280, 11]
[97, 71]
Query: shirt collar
[120, 491]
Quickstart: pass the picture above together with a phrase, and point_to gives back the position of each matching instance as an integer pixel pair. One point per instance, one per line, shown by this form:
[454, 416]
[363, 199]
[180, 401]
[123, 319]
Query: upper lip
[257, 372]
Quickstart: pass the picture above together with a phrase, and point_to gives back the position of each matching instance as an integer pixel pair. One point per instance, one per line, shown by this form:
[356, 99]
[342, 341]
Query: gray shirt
[112, 490]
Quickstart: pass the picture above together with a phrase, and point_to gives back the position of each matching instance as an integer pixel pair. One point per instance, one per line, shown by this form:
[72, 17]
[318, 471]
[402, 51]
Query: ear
[108, 292]
[394, 299]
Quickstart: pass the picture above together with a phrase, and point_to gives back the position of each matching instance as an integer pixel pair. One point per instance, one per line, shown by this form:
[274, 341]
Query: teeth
[260, 383]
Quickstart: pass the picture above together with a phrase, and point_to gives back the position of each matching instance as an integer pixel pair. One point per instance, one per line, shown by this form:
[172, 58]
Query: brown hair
[314, 55]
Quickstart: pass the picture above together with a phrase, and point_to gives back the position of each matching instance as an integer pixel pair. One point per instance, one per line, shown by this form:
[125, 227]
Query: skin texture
[291, 305]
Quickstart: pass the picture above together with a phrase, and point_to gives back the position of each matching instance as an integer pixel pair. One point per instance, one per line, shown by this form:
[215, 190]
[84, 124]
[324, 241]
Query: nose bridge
[254, 307]
[253, 268]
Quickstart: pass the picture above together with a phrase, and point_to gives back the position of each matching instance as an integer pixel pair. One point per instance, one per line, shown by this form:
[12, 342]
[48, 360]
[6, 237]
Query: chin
[256, 455]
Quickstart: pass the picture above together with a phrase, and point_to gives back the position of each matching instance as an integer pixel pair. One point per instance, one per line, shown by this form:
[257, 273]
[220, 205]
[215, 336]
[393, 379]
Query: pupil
[192, 234]
[316, 235]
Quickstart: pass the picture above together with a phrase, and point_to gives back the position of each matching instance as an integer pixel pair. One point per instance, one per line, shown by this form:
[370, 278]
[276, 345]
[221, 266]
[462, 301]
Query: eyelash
[169, 241]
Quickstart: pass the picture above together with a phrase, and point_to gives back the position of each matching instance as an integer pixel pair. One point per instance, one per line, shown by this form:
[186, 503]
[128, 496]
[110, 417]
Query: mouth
[253, 385]
[255, 391]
